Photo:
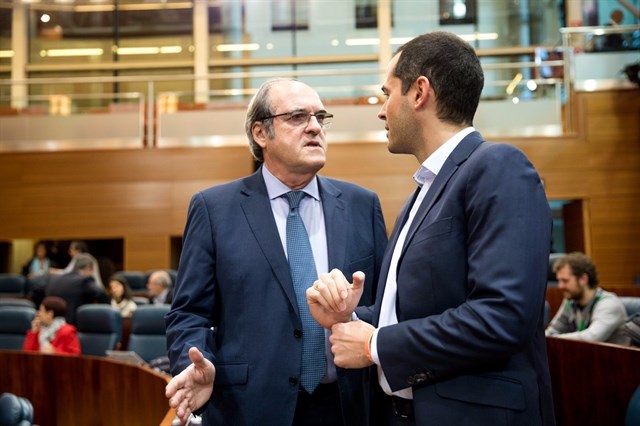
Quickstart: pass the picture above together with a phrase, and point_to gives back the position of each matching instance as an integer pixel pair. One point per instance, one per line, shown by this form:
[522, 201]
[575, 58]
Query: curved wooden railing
[84, 390]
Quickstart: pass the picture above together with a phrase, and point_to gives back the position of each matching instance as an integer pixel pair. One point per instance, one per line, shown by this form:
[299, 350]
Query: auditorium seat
[148, 332]
[141, 300]
[12, 285]
[15, 410]
[547, 313]
[15, 321]
[137, 280]
[16, 301]
[99, 328]
[631, 305]
[551, 276]
[633, 409]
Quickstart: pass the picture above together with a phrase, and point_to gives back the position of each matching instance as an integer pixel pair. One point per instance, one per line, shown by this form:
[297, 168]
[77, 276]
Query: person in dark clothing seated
[77, 287]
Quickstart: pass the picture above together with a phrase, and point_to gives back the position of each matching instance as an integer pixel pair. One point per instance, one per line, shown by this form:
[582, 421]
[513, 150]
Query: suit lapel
[449, 168]
[255, 202]
[335, 222]
[451, 165]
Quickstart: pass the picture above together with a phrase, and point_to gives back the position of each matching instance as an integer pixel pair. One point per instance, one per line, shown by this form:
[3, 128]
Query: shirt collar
[276, 189]
[430, 168]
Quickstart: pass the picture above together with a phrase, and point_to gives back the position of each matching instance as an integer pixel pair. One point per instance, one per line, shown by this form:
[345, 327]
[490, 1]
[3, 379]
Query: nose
[382, 114]
[313, 124]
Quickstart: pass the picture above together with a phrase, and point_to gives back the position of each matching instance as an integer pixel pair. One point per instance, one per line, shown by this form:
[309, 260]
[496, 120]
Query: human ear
[259, 133]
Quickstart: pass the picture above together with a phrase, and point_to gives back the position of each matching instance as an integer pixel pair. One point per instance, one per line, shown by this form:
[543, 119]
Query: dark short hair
[453, 70]
[55, 304]
[119, 277]
[580, 264]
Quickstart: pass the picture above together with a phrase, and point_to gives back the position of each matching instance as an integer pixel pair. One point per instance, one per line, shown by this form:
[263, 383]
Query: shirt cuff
[374, 347]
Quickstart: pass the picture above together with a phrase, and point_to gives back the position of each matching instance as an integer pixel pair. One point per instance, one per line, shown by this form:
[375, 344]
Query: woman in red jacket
[50, 332]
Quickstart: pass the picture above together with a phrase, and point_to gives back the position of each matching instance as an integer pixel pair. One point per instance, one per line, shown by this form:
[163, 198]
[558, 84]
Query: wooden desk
[592, 382]
[84, 390]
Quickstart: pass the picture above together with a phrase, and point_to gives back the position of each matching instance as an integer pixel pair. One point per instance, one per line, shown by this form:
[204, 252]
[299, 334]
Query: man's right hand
[332, 299]
[192, 388]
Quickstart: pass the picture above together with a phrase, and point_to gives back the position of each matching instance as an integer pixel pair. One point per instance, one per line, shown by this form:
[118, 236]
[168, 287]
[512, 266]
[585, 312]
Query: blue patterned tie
[303, 274]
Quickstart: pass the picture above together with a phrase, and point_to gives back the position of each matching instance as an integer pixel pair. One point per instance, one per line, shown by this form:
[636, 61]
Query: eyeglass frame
[308, 114]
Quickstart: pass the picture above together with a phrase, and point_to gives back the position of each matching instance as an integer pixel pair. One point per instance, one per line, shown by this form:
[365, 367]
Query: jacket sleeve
[31, 342]
[189, 322]
[66, 341]
[472, 279]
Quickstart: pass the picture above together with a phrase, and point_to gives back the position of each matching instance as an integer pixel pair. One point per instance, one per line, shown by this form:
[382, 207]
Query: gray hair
[164, 278]
[82, 260]
[260, 107]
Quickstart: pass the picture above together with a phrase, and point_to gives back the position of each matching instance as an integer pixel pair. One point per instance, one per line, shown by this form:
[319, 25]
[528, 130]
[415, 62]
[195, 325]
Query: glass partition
[88, 33]
[184, 56]
[59, 122]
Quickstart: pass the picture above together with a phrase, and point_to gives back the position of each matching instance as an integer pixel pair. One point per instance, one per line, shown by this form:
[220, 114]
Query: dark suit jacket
[471, 290]
[76, 289]
[234, 276]
[167, 300]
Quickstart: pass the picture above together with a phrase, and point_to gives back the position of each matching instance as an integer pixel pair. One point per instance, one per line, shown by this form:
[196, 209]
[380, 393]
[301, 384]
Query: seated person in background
[76, 288]
[121, 295]
[39, 263]
[50, 333]
[160, 287]
[76, 248]
[587, 312]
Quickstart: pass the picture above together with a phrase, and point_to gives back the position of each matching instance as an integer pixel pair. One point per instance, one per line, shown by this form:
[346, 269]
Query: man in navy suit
[455, 336]
[234, 330]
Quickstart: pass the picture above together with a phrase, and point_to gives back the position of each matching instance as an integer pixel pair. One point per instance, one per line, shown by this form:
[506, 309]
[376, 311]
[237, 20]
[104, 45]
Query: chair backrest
[137, 280]
[631, 305]
[15, 321]
[148, 331]
[547, 312]
[15, 410]
[99, 328]
[633, 409]
[141, 300]
[551, 276]
[12, 285]
[16, 301]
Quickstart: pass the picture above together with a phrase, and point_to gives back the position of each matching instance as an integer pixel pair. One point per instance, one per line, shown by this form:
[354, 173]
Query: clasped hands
[332, 300]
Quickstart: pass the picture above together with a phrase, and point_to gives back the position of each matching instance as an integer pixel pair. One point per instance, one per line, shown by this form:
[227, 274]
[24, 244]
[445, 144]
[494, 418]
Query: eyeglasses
[302, 118]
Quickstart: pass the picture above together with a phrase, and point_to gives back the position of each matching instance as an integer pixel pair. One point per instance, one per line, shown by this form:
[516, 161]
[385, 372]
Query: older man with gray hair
[160, 287]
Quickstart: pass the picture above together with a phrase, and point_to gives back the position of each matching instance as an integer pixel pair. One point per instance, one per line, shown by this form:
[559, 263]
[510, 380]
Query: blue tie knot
[294, 198]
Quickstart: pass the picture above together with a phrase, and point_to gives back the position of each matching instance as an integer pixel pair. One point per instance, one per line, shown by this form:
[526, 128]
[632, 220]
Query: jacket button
[293, 381]
[297, 333]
